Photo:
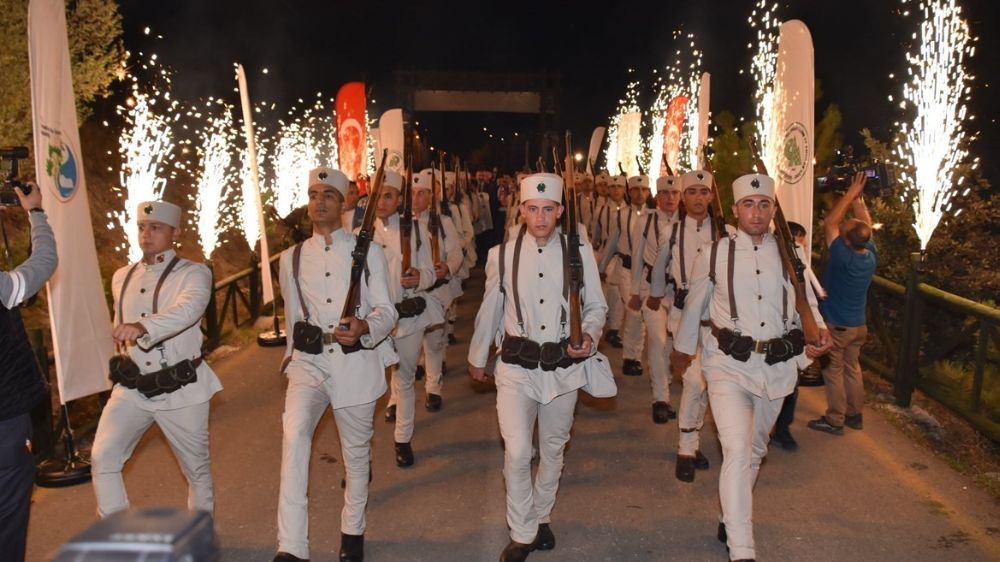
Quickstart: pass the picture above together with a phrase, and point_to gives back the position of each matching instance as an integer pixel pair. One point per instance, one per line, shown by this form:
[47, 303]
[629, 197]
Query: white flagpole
[265, 254]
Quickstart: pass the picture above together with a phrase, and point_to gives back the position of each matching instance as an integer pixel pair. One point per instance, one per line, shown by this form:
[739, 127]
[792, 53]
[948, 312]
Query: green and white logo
[794, 157]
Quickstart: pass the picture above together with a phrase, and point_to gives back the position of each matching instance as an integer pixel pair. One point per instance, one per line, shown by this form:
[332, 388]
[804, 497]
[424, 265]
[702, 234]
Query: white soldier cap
[752, 184]
[328, 176]
[617, 181]
[668, 183]
[638, 181]
[542, 186]
[602, 177]
[423, 179]
[159, 211]
[393, 179]
[697, 178]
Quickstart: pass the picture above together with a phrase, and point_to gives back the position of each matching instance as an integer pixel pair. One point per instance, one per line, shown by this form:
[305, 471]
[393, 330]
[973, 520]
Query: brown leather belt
[759, 346]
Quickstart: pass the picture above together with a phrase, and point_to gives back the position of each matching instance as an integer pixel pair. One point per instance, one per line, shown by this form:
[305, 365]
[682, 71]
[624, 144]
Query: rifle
[715, 208]
[573, 247]
[435, 220]
[406, 219]
[359, 256]
[789, 259]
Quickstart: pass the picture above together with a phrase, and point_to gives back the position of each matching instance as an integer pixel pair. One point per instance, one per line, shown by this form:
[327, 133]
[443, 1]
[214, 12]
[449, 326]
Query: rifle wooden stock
[360, 254]
[718, 215]
[434, 226]
[573, 248]
[406, 222]
[790, 260]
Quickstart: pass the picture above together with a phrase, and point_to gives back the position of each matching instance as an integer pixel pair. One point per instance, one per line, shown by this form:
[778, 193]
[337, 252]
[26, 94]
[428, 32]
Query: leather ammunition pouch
[739, 347]
[553, 356]
[437, 284]
[307, 338]
[125, 372]
[520, 351]
[784, 348]
[680, 295]
[626, 260]
[413, 306]
[169, 379]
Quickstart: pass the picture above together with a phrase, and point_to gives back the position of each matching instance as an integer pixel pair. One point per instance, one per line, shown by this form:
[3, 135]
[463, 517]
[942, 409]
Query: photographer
[848, 274]
[20, 379]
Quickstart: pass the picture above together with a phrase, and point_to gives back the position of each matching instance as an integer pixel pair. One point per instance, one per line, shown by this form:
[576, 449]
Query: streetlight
[578, 157]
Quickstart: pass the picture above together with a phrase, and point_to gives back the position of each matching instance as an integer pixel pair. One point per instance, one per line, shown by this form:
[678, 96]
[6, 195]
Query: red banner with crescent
[352, 130]
[673, 128]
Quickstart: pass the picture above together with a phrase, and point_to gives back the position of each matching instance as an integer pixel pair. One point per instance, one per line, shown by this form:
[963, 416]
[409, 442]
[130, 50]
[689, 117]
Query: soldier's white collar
[160, 260]
[744, 240]
[339, 233]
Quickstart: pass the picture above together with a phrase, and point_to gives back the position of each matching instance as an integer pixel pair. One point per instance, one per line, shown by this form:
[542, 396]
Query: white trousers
[403, 377]
[305, 403]
[658, 348]
[527, 505]
[694, 402]
[744, 422]
[435, 346]
[613, 296]
[121, 426]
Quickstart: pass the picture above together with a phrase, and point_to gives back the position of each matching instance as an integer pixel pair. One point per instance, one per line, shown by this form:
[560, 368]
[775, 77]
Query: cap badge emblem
[541, 188]
[322, 175]
[755, 184]
[148, 209]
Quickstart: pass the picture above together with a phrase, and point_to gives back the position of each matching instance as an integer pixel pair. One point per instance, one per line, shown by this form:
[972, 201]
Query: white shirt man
[612, 221]
[530, 286]
[653, 235]
[159, 302]
[315, 290]
[411, 285]
[452, 262]
[624, 246]
[746, 392]
[689, 237]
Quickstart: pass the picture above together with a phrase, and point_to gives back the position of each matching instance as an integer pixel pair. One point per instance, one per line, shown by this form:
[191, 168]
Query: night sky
[317, 46]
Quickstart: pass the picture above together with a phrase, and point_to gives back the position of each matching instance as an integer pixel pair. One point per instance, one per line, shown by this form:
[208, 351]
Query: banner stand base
[273, 338]
[70, 470]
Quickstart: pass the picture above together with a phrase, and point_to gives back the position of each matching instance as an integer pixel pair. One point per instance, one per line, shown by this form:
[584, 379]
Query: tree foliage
[96, 55]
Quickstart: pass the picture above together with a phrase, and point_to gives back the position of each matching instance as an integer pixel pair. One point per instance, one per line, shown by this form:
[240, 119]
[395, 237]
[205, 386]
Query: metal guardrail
[909, 359]
[243, 287]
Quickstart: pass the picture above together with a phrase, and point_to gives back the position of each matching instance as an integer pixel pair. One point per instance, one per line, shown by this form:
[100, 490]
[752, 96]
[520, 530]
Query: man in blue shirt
[848, 274]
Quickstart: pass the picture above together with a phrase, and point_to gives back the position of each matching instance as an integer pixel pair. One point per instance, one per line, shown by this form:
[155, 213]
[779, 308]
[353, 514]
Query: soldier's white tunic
[173, 335]
[348, 383]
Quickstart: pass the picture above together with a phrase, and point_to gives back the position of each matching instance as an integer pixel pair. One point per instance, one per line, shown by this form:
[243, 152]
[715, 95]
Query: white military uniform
[435, 337]
[745, 396]
[409, 333]
[613, 221]
[173, 335]
[653, 235]
[626, 245]
[348, 383]
[688, 239]
[523, 395]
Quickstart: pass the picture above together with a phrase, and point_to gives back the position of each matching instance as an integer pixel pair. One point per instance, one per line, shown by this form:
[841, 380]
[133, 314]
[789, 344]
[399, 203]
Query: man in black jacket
[21, 384]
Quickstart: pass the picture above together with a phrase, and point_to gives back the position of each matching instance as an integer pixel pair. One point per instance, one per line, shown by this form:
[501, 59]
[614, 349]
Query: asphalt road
[868, 495]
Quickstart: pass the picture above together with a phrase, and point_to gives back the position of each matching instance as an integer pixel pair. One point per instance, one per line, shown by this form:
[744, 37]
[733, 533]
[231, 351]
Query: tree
[96, 55]
[828, 137]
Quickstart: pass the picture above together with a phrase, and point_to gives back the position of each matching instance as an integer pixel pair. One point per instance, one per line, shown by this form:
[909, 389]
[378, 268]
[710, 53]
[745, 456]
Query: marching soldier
[752, 349]
[587, 201]
[163, 379]
[417, 310]
[653, 236]
[624, 246]
[461, 217]
[322, 369]
[525, 307]
[613, 219]
[599, 221]
[446, 288]
[690, 237]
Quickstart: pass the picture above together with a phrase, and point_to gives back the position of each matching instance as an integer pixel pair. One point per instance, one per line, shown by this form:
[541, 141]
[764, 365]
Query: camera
[879, 177]
[9, 157]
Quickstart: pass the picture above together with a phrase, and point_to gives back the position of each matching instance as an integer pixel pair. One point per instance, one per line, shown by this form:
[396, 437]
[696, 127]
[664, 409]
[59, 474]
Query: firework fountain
[215, 150]
[624, 139]
[764, 21]
[936, 93]
[677, 91]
